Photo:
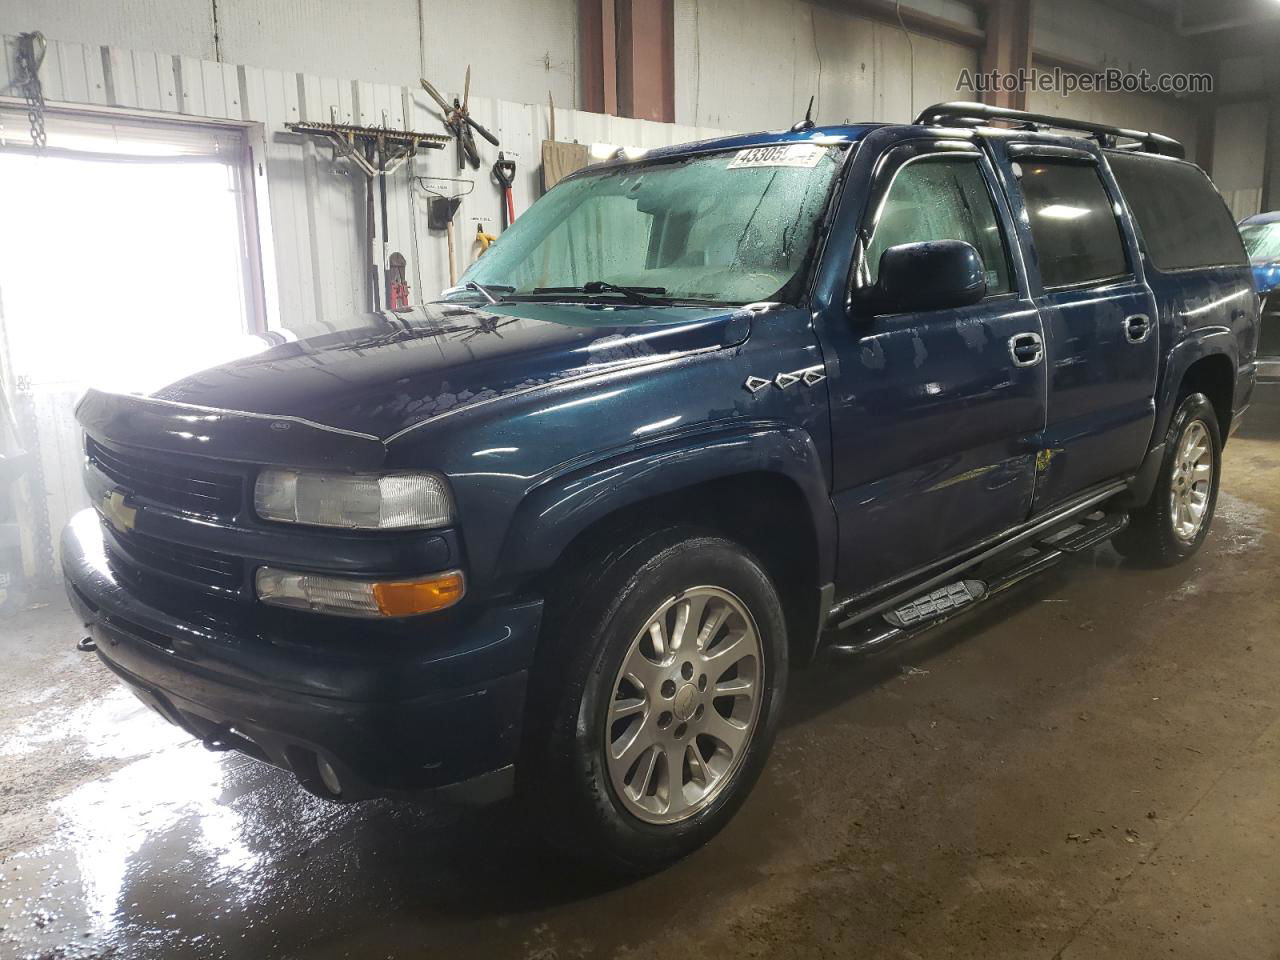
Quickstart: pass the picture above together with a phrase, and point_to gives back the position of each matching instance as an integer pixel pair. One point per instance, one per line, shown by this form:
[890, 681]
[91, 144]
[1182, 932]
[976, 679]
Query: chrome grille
[168, 480]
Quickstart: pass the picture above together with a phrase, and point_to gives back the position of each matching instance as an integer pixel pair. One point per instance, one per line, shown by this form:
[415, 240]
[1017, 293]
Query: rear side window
[1073, 223]
[1184, 222]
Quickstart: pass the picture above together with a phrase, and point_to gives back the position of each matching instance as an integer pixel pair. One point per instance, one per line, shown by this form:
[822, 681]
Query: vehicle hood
[402, 369]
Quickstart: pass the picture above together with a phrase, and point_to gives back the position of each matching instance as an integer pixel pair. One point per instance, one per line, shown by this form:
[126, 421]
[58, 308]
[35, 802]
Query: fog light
[359, 598]
[329, 777]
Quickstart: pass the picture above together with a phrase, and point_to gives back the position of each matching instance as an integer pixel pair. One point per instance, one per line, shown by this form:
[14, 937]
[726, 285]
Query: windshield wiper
[486, 291]
[649, 296]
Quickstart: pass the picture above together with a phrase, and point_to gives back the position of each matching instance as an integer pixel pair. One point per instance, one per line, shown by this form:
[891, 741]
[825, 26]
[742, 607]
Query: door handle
[1137, 328]
[1027, 349]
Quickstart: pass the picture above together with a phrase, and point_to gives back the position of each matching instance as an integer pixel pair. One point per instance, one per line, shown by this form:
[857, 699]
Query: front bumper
[434, 703]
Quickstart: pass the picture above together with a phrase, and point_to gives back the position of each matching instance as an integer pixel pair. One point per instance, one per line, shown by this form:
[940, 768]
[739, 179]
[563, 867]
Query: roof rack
[958, 113]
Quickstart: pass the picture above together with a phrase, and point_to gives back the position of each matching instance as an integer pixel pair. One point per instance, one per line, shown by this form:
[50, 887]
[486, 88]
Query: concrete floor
[1089, 767]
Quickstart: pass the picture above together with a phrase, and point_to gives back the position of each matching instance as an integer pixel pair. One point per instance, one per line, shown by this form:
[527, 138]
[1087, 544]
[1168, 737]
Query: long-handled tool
[504, 172]
[441, 208]
[377, 151]
[457, 117]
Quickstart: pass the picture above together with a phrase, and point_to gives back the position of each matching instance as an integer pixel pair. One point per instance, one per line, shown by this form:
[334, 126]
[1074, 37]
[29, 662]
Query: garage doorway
[129, 257]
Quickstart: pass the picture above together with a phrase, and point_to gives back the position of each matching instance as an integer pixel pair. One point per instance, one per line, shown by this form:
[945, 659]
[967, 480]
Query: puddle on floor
[114, 726]
[163, 853]
[1245, 524]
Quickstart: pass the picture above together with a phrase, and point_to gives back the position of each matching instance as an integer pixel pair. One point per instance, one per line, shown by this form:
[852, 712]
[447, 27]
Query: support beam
[646, 59]
[1007, 48]
[598, 55]
[627, 54]
[609, 48]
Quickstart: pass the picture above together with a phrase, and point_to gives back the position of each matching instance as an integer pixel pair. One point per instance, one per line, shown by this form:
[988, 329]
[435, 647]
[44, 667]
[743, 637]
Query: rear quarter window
[1073, 223]
[1184, 222]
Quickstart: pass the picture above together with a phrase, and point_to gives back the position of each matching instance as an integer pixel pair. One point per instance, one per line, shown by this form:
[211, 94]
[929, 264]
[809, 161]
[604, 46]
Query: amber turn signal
[359, 598]
[408, 598]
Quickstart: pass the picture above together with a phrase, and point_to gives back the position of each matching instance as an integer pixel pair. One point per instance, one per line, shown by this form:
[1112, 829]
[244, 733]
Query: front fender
[561, 508]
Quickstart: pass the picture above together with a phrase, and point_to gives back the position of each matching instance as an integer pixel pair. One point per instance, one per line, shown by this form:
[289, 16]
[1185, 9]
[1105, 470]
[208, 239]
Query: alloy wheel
[684, 705]
[1192, 482]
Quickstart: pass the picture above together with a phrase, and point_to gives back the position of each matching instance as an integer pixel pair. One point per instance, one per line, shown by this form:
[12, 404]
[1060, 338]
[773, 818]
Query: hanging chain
[31, 49]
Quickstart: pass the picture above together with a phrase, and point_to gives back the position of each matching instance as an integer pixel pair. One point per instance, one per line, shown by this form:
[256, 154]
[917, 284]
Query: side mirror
[929, 275]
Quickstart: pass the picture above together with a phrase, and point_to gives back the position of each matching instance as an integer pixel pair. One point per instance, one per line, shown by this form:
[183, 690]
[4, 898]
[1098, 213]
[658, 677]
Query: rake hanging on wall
[377, 151]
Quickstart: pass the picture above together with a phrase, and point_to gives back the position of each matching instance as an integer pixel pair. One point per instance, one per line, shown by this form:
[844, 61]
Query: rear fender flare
[1201, 343]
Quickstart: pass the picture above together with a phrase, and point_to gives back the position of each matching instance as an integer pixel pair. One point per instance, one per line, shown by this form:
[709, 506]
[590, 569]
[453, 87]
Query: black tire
[1151, 537]
[563, 779]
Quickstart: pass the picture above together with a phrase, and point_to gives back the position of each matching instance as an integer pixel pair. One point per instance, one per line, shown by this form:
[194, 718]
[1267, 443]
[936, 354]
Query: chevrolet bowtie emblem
[116, 512]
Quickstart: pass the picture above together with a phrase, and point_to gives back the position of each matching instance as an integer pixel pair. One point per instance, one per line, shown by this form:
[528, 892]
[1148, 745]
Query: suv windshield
[731, 227]
[1261, 240]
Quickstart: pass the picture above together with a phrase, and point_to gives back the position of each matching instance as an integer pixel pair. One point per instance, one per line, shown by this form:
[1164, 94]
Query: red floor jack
[504, 171]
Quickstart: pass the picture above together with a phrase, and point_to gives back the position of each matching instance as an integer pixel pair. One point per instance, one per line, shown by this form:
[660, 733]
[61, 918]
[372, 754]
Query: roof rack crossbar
[960, 113]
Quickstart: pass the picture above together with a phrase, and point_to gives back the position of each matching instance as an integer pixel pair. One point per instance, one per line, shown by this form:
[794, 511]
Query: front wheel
[1174, 523]
[670, 672]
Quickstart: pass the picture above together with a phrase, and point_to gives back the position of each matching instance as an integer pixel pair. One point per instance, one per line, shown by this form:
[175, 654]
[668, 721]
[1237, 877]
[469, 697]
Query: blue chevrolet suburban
[561, 534]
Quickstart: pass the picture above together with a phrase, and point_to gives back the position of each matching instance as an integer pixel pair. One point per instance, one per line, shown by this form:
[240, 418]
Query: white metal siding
[316, 231]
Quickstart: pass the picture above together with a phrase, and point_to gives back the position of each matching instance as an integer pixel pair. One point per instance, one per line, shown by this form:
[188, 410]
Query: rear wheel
[1174, 523]
[662, 688]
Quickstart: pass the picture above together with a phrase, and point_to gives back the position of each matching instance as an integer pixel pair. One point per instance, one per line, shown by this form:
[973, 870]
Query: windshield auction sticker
[778, 155]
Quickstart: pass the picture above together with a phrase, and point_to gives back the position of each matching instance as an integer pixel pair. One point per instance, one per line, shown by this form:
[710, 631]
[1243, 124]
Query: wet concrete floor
[1089, 767]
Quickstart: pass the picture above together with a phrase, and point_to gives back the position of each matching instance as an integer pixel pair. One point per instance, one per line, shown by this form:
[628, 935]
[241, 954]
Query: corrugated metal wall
[315, 235]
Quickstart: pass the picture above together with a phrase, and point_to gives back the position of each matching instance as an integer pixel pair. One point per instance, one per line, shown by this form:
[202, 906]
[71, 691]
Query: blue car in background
[1261, 235]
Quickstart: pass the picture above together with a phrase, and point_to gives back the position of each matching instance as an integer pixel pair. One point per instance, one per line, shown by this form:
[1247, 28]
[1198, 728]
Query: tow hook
[86, 645]
[225, 737]
[219, 739]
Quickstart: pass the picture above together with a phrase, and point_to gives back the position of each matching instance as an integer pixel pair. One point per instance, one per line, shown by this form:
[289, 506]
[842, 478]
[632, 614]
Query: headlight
[355, 501]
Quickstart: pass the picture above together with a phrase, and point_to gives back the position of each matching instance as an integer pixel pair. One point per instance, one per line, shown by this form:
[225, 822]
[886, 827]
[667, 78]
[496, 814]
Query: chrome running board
[998, 571]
